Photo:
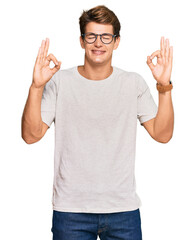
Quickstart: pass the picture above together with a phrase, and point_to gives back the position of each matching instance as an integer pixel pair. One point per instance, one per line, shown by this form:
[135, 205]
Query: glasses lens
[106, 38]
[90, 37]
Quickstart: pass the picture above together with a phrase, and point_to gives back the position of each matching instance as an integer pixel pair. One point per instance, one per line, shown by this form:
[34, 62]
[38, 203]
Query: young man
[95, 108]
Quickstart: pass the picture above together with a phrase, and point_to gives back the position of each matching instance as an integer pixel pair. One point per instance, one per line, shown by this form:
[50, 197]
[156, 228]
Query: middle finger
[167, 49]
[162, 46]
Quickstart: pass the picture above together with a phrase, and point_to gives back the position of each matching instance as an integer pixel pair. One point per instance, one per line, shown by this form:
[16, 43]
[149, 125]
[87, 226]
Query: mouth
[98, 52]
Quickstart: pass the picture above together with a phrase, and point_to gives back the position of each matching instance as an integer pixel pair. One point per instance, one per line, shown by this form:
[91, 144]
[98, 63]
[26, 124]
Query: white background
[164, 172]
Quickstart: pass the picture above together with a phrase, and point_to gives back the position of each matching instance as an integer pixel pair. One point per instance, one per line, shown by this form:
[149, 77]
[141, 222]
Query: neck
[95, 72]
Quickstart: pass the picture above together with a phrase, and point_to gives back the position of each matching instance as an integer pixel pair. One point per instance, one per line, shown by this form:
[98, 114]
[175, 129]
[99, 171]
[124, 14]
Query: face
[98, 52]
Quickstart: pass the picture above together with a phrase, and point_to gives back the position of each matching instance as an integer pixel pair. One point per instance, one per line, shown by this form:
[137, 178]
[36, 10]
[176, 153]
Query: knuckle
[51, 55]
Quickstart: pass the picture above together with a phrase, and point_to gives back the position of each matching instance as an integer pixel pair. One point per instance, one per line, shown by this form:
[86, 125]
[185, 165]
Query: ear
[82, 42]
[116, 43]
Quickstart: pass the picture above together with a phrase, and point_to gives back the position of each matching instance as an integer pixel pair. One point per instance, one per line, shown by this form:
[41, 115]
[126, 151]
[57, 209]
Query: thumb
[56, 68]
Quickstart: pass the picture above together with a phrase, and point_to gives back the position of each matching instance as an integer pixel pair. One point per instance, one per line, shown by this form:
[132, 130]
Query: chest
[97, 103]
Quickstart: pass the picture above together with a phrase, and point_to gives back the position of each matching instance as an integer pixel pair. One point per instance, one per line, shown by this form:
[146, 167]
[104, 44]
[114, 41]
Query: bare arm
[33, 128]
[161, 127]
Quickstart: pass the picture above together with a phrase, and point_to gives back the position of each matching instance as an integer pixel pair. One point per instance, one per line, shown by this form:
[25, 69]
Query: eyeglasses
[90, 37]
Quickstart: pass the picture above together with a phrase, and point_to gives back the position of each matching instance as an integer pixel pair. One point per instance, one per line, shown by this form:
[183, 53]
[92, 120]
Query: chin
[97, 61]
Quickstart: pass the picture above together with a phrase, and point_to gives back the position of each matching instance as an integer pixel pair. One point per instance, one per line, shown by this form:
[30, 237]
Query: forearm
[31, 119]
[164, 121]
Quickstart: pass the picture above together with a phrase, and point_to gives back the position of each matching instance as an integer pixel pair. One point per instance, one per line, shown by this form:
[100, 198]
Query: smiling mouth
[98, 52]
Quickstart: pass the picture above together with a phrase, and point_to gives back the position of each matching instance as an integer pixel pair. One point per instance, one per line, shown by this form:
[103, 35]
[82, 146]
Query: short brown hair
[99, 14]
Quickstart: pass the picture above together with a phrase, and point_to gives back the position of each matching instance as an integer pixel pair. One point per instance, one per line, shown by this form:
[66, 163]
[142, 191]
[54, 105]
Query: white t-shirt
[95, 138]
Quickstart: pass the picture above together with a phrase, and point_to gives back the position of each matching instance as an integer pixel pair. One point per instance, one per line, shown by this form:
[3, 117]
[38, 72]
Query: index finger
[46, 48]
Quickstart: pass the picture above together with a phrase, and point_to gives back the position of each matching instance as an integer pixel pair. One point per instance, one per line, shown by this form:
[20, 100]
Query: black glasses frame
[96, 35]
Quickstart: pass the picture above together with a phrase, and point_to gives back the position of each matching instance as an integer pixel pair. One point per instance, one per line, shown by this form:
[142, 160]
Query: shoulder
[140, 83]
[133, 76]
[129, 74]
[63, 73]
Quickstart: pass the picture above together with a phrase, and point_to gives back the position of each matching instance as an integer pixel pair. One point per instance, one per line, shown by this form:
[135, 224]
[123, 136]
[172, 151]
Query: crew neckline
[94, 81]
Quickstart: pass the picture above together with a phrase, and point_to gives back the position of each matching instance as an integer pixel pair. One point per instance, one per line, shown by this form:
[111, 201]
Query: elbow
[164, 140]
[29, 139]
[26, 140]
[25, 137]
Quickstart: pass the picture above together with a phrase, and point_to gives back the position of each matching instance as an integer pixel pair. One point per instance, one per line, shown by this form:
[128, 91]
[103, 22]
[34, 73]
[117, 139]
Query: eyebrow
[100, 33]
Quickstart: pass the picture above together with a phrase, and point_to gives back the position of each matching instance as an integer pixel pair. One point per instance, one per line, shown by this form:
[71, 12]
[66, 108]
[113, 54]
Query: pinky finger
[38, 56]
[171, 54]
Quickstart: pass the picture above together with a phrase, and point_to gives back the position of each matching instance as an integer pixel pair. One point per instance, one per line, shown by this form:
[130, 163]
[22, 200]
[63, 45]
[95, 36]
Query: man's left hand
[162, 70]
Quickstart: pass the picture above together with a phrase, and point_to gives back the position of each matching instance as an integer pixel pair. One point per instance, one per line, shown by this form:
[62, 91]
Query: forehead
[99, 28]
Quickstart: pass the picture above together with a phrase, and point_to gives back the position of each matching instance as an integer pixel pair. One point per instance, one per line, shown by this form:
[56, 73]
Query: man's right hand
[42, 72]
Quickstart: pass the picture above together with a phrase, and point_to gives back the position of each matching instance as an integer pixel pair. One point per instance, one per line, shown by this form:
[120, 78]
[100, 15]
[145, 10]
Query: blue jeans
[88, 226]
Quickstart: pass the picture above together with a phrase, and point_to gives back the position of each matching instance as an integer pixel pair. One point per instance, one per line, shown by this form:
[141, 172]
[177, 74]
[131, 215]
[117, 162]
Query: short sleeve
[48, 102]
[146, 106]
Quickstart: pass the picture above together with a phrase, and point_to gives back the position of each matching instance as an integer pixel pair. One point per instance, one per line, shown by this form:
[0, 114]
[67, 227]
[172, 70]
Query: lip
[98, 52]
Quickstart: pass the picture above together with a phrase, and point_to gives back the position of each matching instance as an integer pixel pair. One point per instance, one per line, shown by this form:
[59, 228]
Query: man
[95, 108]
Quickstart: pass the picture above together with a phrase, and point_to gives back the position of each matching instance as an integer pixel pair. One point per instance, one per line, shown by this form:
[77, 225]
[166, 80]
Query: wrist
[34, 87]
[164, 88]
[164, 84]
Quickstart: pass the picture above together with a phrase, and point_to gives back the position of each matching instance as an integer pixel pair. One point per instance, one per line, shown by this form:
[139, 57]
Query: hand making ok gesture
[42, 72]
[162, 70]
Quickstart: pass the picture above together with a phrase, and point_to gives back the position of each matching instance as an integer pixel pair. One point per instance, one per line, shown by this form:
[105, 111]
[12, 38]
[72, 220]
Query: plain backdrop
[164, 172]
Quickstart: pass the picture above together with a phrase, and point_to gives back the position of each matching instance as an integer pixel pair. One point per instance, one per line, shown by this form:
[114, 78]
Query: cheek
[109, 51]
[88, 49]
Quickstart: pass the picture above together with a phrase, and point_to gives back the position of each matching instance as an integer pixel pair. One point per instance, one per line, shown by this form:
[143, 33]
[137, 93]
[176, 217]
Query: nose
[98, 41]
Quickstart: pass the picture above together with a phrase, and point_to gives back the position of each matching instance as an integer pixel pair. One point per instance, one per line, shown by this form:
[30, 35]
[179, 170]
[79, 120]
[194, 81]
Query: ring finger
[46, 48]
